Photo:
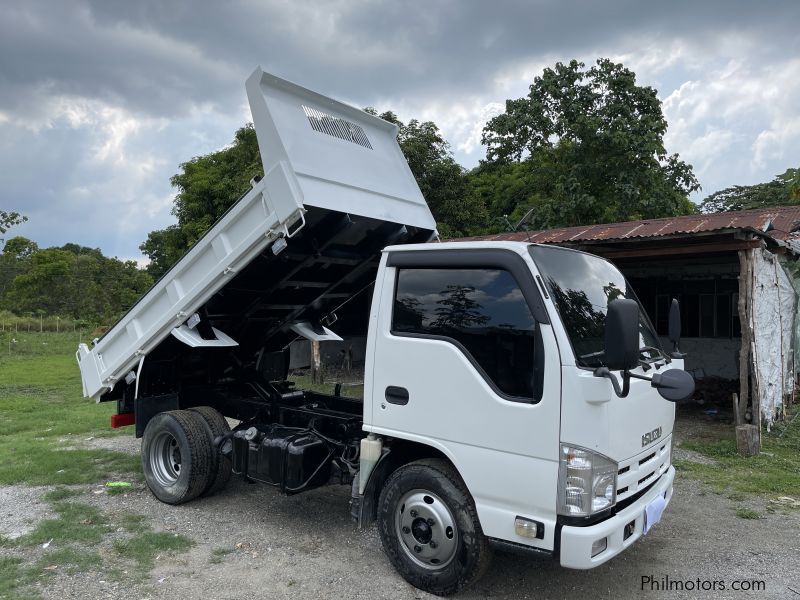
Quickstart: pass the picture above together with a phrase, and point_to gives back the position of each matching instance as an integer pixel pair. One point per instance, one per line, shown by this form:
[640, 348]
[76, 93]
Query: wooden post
[316, 363]
[748, 440]
[744, 322]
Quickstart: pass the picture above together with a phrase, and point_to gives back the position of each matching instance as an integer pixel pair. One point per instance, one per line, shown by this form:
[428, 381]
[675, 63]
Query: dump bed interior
[296, 255]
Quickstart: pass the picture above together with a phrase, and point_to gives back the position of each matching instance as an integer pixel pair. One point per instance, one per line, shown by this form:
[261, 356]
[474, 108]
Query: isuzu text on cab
[515, 395]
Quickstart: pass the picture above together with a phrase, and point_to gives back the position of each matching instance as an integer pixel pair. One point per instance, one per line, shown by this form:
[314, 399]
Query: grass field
[773, 474]
[42, 415]
[41, 403]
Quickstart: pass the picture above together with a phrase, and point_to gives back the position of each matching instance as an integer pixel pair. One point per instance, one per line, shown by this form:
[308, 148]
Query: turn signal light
[528, 529]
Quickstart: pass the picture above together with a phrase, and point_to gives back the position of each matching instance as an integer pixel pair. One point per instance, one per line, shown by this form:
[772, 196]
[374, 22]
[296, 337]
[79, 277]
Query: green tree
[164, 247]
[207, 186]
[45, 284]
[14, 260]
[783, 190]
[794, 185]
[19, 248]
[73, 281]
[591, 141]
[8, 220]
[440, 178]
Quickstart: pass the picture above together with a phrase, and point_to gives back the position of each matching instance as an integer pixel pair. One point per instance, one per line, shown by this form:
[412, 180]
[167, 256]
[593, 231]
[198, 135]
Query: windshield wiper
[658, 351]
[645, 364]
[593, 355]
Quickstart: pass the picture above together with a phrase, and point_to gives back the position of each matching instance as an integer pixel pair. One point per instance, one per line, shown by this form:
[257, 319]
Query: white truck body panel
[253, 223]
[342, 158]
[315, 151]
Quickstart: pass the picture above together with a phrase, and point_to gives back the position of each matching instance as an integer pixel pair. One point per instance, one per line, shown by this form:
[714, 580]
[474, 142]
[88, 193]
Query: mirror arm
[637, 376]
[626, 380]
[656, 381]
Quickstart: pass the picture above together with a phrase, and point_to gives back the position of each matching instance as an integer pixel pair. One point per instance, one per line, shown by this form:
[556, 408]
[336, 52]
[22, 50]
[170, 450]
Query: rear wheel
[429, 528]
[176, 456]
[220, 464]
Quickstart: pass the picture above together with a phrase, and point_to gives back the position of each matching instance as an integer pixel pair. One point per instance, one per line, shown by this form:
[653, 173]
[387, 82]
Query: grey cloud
[176, 70]
[164, 57]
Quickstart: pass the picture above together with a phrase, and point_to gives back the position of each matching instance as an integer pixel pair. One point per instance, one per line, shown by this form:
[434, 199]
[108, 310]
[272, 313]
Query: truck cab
[515, 395]
[489, 353]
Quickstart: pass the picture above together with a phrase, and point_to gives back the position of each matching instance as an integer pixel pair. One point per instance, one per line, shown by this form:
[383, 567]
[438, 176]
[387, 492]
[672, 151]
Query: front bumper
[576, 542]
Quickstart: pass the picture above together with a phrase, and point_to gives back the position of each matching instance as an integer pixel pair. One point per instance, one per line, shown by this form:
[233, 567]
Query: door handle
[397, 395]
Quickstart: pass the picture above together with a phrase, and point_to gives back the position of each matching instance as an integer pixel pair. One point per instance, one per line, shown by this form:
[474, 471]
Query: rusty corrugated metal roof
[777, 222]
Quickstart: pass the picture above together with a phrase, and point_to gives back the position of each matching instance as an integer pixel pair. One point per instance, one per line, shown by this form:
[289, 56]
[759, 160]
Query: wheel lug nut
[433, 544]
[431, 522]
[406, 530]
[413, 513]
[417, 549]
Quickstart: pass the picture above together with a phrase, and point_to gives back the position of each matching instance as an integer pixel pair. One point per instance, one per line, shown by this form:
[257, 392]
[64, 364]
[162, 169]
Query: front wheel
[429, 528]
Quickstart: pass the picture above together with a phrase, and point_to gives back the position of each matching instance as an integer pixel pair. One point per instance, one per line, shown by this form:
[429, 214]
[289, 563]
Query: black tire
[176, 456]
[417, 505]
[220, 463]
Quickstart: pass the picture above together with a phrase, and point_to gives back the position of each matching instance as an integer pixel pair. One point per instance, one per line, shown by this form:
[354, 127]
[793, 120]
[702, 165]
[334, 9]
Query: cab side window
[482, 311]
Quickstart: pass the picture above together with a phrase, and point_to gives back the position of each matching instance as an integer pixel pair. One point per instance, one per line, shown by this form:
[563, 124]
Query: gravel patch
[692, 456]
[127, 444]
[305, 546]
[21, 508]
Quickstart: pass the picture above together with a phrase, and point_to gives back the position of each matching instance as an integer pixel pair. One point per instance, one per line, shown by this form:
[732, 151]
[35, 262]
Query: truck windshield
[581, 286]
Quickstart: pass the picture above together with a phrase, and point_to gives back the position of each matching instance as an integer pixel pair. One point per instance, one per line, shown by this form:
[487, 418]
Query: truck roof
[457, 245]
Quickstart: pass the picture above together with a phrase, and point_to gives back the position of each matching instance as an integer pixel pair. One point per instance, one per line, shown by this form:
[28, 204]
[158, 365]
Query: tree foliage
[440, 178]
[781, 191]
[584, 146]
[8, 220]
[590, 142]
[207, 186]
[71, 281]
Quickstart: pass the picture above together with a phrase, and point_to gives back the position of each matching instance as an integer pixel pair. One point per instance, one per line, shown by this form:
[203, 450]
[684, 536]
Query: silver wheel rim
[426, 529]
[165, 459]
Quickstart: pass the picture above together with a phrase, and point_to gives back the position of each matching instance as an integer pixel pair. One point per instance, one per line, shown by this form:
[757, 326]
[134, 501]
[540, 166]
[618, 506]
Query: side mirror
[674, 328]
[622, 335]
[673, 385]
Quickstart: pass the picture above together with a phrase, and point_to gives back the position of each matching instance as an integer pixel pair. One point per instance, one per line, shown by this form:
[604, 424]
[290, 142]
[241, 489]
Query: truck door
[465, 361]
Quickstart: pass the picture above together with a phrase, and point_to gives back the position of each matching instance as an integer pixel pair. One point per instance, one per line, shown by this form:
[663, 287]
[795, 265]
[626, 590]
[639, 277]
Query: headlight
[587, 482]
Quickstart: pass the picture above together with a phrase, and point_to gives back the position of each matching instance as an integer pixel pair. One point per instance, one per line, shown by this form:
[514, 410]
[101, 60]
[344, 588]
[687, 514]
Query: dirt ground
[271, 546]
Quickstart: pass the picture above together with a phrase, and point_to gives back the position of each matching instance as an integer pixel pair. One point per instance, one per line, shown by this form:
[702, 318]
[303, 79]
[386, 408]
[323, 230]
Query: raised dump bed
[295, 253]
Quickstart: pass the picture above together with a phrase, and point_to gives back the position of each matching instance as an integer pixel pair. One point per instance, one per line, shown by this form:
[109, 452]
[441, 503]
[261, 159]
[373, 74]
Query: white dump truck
[515, 395]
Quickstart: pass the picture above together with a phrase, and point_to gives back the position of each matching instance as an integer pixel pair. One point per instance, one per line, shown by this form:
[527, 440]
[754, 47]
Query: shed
[737, 279]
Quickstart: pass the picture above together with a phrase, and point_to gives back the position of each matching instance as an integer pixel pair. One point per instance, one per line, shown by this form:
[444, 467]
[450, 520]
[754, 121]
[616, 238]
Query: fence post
[316, 366]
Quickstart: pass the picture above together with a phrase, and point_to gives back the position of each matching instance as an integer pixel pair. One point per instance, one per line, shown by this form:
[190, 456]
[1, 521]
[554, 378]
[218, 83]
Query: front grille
[640, 471]
[646, 458]
[645, 478]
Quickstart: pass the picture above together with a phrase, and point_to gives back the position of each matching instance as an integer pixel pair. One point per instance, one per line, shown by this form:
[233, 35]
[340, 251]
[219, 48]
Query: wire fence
[10, 322]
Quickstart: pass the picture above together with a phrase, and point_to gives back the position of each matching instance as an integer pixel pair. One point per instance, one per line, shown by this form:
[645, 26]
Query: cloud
[101, 100]
[739, 124]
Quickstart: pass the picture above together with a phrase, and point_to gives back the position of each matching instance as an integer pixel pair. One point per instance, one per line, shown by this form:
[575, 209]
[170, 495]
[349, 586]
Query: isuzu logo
[651, 436]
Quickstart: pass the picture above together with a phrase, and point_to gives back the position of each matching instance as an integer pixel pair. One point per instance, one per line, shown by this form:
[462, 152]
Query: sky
[101, 100]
